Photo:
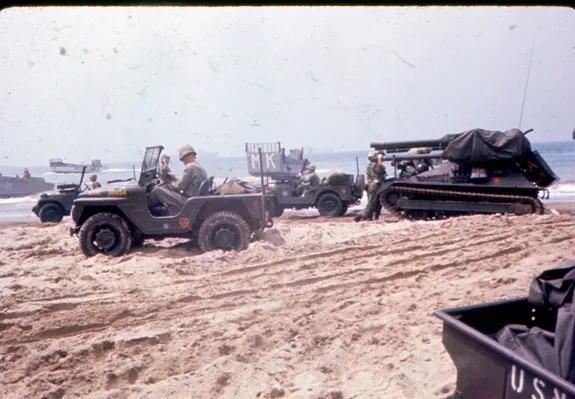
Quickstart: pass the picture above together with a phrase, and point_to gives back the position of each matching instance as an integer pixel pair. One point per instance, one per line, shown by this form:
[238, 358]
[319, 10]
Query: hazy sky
[83, 83]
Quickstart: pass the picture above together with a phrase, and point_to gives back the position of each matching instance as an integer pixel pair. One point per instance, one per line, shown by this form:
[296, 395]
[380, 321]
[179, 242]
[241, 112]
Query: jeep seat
[205, 187]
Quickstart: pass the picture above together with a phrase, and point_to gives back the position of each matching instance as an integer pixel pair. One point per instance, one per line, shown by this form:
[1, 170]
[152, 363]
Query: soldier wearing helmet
[165, 174]
[376, 175]
[309, 179]
[174, 196]
[95, 183]
[26, 174]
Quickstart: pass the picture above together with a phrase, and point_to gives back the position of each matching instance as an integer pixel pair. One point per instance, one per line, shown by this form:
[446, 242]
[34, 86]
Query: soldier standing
[174, 197]
[376, 174]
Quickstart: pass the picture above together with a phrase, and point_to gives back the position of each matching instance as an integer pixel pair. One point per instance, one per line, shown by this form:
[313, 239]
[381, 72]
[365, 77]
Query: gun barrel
[404, 146]
[411, 157]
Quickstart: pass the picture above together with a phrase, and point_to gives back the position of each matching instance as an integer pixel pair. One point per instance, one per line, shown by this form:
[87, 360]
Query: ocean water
[560, 156]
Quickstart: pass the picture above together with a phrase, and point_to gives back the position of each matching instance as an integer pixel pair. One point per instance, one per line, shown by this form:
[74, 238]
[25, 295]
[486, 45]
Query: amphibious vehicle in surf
[481, 171]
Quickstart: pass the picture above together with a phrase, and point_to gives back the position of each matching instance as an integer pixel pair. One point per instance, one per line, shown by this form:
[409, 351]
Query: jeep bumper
[36, 209]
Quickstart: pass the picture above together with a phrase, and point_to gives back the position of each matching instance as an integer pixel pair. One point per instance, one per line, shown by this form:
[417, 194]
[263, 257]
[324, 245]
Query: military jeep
[113, 220]
[332, 197]
[53, 206]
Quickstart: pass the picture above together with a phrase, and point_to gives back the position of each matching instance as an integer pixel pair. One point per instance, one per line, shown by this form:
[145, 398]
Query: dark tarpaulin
[480, 146]
[553, 350]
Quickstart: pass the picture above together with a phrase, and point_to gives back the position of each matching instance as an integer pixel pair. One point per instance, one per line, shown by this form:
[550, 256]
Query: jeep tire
[50, 213]
[224, 230]
[105, 233]
[329, 204]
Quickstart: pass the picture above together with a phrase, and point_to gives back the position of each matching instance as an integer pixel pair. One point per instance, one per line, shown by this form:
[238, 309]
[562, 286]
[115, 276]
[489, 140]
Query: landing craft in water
[21, 187]
[58, 166]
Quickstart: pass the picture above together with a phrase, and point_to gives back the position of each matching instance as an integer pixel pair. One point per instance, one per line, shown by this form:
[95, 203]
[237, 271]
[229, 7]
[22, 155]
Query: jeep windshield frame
[149, 169]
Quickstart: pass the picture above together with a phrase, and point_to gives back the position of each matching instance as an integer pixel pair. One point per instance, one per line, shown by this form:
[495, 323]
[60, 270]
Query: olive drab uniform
[308, 179]
[376, 175]
[95, 183]
[187, 186]
[164, 174]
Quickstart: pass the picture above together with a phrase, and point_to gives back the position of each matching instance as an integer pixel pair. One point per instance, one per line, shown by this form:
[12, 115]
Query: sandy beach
[321, 309]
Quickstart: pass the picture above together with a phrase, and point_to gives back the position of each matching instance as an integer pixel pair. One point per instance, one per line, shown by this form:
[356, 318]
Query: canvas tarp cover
[552, 350]
[480, 146]
[236, 186]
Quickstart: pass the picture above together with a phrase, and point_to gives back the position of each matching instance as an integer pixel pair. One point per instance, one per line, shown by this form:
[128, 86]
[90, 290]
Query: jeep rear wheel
[329, 204]
[105, 233]
[50, 213]
[224, 230]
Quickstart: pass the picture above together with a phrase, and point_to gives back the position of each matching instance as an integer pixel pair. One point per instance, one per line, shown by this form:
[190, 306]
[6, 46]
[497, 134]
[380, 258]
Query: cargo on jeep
[113, 220]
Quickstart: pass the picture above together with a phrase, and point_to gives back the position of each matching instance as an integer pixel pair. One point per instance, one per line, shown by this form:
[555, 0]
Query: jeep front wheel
[50, 213]
[224, 230]
[105, 233]
[329, 204]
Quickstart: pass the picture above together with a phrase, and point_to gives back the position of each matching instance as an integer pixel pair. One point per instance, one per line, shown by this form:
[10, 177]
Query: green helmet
[185, 150]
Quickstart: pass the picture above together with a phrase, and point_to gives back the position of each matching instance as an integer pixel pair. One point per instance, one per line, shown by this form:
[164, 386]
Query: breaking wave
[566, 188]
[19, 200]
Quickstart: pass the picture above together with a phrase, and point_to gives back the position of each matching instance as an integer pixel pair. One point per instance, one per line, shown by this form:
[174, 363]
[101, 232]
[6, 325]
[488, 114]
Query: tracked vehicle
[481, 171]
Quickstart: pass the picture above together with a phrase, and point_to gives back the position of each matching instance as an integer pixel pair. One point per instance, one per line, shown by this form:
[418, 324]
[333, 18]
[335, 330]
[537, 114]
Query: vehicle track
[298, 308]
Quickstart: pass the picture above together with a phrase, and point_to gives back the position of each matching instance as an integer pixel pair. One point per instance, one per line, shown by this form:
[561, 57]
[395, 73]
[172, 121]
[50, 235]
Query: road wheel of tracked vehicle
[224, 230]
[329, 204]
[50, 213]
[105, 233]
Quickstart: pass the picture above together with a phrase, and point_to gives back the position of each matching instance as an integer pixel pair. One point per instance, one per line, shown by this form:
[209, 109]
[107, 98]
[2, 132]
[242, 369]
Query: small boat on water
[58, 166]
[21, 187]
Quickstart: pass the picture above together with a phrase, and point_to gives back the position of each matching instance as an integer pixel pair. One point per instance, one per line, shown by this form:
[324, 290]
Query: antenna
[526, 83]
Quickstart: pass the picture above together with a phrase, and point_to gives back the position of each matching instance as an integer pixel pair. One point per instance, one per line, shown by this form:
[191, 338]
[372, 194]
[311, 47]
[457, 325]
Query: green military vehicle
[53, 206]
[112, 221]
[332, 197]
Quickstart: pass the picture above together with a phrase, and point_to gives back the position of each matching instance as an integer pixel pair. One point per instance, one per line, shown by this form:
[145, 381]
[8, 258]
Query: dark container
[488, 370]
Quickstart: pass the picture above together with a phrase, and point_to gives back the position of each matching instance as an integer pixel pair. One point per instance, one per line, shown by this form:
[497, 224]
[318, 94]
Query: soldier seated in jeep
[174, 196]
[309, 179]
